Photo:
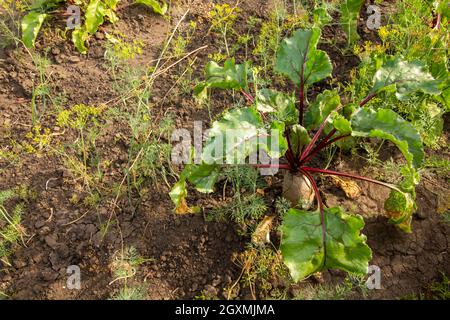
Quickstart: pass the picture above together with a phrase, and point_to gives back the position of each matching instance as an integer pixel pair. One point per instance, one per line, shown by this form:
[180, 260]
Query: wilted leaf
[261, 235]
[203, 177]
[350, 187]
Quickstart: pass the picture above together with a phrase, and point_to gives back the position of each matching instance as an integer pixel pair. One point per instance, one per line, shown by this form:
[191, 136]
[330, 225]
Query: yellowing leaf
[350, 187]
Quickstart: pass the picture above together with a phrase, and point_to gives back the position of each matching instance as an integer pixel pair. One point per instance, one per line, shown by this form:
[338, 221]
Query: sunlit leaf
[299, 59]
[230, 76]
[323, 105]
[282, 106]
[304, 251]
[399, 209]
[95, 13]
[31, 24]
[405, 77]
[79, 37]
[203, 177]
[349, 18]
[237, 135]
[386, 124]
[155, 5]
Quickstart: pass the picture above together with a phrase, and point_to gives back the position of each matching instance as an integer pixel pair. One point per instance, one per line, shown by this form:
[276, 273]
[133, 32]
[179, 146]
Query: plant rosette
[314, 237]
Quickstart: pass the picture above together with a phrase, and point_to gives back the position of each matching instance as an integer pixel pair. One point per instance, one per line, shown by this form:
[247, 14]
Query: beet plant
[288, 127]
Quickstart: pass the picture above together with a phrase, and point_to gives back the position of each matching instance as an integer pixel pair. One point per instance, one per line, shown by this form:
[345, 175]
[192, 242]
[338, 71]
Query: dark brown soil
[188, 255]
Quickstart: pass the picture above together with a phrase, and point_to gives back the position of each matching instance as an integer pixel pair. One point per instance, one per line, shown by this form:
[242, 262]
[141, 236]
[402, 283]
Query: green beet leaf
[349, 19]
[324, 104]
[341, 124]
[280, 105]
[239, 134]
[31, 24]
[230, 76]
[155, 5]
[386, 124]
[406, 77]
[79, 37]
[304, 251]
[299, 59]
[299, 138]
[203, 177]
[399, 208]
[45, 5]
[95, 13]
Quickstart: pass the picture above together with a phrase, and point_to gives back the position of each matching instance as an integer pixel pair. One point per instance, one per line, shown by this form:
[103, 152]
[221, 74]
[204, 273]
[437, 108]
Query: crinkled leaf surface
[31, 24]
[303, 248]
[406, 77]
[341, 124]
[299, 138]
[79, 37]
[279, 104]
[240, 133]
[349, 18]
[325, 103]
[400, 207]
[203, 177]
[299, 59]
[386, 124]
[95, 13]
[230, 76]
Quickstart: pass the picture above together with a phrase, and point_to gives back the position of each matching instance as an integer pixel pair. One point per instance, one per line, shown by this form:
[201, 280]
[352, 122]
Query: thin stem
[248, 96]
[290, 154]
[302, 102]
[272, 166]
[325, 143]
[314, 139]
[369, 97]
[363, 102]
[349, 175]
[438, 22]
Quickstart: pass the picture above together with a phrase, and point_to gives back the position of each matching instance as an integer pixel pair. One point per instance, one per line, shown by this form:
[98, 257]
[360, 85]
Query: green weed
[246, 205]
[11, 230]
[124, 267]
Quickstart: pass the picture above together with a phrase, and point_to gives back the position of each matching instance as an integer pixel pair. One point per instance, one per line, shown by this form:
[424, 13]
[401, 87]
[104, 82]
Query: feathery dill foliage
[11, 230]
